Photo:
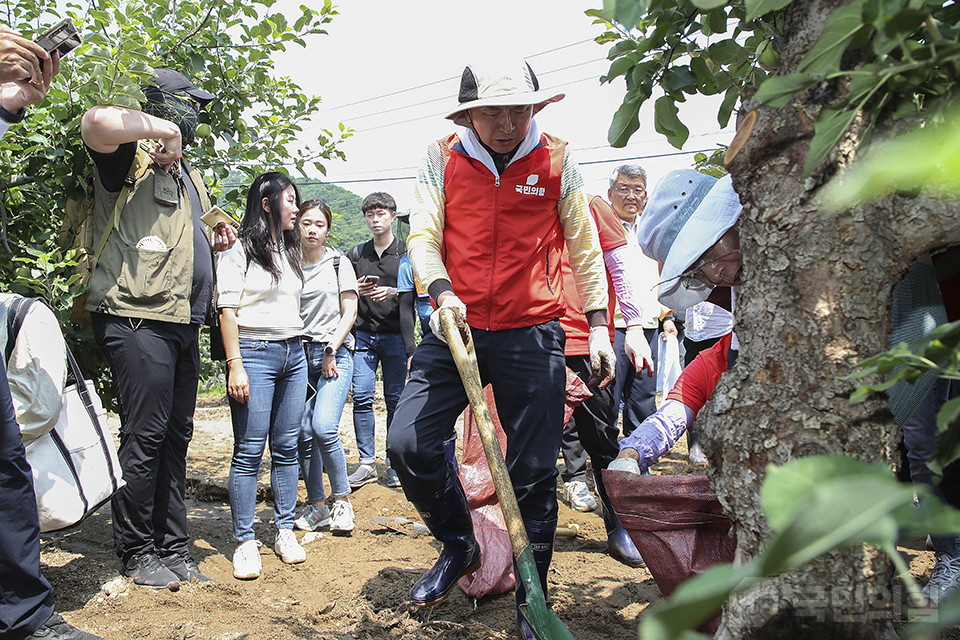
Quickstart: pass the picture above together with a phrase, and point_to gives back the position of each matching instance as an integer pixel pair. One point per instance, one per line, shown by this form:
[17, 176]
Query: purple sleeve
[658, 433]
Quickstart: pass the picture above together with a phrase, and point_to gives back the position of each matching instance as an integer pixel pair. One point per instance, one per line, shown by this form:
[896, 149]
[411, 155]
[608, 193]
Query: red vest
[502, 238]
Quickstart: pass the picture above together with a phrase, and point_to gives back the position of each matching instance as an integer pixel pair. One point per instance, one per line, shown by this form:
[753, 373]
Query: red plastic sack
[676, 523]
[495, 575]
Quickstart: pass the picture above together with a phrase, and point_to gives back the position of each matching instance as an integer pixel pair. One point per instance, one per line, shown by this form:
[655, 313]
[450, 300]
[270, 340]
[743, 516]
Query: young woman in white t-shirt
[328, 309]
[259, 283]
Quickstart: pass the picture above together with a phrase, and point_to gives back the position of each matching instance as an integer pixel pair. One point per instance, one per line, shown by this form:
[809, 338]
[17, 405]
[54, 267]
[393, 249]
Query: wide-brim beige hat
[499, 84]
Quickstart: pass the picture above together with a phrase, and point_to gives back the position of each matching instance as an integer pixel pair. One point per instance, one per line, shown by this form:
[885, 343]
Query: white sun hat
[498, 83]
[687, 212]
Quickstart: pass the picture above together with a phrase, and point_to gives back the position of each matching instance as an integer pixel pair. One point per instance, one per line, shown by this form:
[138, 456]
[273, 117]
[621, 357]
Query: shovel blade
[541, 618]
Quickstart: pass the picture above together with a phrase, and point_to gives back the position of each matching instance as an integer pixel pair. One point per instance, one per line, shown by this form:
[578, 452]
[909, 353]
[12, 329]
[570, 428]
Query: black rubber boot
[448, 518]
[541, 535]
[619, 543]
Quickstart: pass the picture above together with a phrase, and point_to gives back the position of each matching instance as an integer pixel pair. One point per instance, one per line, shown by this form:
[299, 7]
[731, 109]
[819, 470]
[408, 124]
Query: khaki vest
[146, 268]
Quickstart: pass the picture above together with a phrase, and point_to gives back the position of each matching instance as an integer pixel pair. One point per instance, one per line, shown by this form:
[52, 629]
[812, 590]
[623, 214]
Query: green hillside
[348, 226]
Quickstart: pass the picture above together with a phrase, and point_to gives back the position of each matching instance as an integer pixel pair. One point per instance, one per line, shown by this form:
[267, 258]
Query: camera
[62, 37]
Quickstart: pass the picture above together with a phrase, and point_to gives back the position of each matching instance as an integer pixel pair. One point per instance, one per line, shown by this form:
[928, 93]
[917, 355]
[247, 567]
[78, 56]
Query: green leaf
[706, 81]
[758, 8]
[787, 487]
[778, 91]
[625, 123]
[727, 52]
[842, 25]
[626, 12]
[840, 512]
[667, 123]
[830, 127]
[695, 600]
[680, 77]
[707, 5]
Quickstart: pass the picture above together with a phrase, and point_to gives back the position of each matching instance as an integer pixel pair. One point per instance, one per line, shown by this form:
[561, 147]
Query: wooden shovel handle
[465, 358]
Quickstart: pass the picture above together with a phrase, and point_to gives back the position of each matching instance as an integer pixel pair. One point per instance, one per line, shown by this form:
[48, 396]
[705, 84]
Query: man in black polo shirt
[377, 330]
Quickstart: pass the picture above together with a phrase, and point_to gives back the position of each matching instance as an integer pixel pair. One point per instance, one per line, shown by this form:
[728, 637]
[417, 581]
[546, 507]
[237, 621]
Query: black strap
[336, 271]
[16, 312]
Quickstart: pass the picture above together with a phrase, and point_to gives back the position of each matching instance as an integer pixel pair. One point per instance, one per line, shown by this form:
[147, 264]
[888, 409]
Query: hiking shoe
[56, 628]
[313, 517]
[342, 519]
[393, 480]
[365, 474]
[579, 496]
[246, 560]
[944, 580]
[288, 548]
[147, 571]
[184, 567]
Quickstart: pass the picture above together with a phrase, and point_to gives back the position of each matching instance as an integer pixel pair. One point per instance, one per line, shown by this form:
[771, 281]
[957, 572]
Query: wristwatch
[329, 351]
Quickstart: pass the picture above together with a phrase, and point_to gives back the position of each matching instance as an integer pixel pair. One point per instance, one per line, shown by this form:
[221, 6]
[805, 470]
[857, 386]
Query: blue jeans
[320, 445]
[278, 386]
[387, 350]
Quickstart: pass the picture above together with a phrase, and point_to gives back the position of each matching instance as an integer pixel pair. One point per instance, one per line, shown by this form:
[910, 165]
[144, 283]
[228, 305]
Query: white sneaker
[313, 517]
[579, 496]
[288, 548]
[342, 519]
[246, 560]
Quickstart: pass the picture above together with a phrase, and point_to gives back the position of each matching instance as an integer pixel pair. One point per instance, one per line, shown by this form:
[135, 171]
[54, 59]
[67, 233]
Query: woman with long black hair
[259, 284]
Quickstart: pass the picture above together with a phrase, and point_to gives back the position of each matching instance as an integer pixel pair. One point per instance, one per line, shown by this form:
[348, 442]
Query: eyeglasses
[626, 191]
[689, 277]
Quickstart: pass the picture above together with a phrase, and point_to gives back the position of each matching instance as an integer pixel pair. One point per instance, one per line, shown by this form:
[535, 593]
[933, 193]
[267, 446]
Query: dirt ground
[352, 587]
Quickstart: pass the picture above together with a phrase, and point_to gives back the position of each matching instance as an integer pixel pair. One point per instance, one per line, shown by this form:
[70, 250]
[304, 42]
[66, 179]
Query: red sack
[495, 575]
[676, 523]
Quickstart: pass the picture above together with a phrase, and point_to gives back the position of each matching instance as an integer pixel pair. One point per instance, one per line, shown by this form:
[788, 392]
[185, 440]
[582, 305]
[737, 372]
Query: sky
[391, 71]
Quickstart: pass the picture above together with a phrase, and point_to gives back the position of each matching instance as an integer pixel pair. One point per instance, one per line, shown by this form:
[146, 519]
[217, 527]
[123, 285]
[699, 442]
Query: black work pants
[25, 595]
[592, 428]
[156, 369]
[525, 366]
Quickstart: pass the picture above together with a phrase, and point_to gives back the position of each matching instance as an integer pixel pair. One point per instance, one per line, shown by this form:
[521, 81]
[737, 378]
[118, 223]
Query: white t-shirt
[266, 310]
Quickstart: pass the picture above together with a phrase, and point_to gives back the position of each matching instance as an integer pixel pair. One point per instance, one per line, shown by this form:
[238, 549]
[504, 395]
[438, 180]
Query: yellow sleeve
[583, 241]
[426, 220]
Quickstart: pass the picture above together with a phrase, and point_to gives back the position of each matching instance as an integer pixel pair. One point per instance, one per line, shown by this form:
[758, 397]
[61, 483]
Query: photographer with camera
[26, 603]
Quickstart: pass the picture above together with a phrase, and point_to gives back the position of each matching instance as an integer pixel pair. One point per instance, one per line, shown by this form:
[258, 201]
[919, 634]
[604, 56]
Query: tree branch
[200, 26]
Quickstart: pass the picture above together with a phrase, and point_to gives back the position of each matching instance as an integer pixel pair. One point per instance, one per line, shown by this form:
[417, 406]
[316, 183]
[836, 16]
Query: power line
[457, 77]
[590, 162]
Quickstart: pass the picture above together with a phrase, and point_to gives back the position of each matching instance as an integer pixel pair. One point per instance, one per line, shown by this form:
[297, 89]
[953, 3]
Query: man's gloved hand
[603, 361]
[625, 464]
[455, 303]
[638, 350]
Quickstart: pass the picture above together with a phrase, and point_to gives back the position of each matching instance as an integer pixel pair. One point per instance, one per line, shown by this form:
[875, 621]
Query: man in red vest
[497, 203]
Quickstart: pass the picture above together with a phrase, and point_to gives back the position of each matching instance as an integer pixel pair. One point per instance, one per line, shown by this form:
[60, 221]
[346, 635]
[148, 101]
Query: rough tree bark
[816, 300]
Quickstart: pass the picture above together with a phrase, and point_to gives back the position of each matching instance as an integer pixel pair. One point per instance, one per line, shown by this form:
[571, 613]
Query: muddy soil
[350, 587]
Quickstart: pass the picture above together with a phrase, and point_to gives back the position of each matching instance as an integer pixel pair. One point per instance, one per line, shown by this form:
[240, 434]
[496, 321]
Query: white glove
[625, 464]
[603, 361]
[450, 302]
[638, 350]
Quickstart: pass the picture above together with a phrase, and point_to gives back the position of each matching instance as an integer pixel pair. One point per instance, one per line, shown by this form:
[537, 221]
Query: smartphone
[373, 279]
[62, 37]
[216, 217]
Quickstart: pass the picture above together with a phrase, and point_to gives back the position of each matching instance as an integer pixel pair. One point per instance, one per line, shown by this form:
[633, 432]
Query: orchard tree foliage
[827, 82]
[893, 65]
[224, 47]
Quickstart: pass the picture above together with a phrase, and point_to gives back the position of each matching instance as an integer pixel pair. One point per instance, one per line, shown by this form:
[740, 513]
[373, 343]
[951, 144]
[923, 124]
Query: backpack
[77, 233]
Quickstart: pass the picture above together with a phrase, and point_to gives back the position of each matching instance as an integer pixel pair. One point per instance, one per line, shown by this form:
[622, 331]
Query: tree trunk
[816, 301]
